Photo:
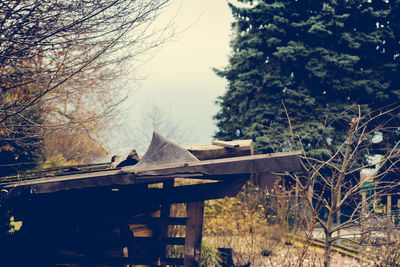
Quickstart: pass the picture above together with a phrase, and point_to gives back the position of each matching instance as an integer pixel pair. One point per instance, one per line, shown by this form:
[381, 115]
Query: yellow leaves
[4, 132]
[14, 225]
[6, 147]
[232, 216]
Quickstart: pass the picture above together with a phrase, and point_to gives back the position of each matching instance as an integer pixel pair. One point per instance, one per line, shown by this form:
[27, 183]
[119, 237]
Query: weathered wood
[111, 261]
[206, 152]
[225, 144]
[194, 226]
[96, 242]
[275, 162]
[80, 181]
[115, 261]
[92, 214]
[363, 204]
[190, 193]
[158, 221]
[172, 261]
[174, 241]
[267, 163]
[72, 207]
[389, 206]
[67, 182]
[165, 213]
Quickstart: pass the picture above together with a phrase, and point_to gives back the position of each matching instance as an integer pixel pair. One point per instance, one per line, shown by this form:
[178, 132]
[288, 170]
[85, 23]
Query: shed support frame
[193, 236]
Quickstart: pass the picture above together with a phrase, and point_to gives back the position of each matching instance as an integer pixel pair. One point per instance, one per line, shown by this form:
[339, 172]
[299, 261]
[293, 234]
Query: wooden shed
[120, 217]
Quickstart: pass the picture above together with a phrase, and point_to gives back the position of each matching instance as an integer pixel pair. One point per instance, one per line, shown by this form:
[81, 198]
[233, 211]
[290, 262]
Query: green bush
[209, 255]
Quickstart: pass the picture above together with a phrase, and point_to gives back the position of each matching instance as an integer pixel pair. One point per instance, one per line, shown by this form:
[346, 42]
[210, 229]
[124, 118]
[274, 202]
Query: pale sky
[179, 77]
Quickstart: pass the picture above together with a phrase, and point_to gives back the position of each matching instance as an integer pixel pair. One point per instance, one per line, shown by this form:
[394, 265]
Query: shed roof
[163, 160]
[206, 169]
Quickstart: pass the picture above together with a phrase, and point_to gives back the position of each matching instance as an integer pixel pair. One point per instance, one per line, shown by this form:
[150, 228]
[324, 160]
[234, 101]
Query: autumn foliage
[59, 61]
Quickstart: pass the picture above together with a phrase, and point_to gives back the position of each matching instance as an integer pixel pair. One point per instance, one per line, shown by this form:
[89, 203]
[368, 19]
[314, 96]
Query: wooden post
[194, 227]
[363, 215]
[164, 214]
[363, 204]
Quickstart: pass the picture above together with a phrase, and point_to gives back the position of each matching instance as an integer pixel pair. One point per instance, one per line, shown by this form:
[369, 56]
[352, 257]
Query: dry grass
[272, 248]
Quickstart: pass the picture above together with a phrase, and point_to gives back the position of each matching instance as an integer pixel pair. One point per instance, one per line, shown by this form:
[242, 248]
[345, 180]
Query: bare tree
[330, 185]
[58, 59]
[155, 118]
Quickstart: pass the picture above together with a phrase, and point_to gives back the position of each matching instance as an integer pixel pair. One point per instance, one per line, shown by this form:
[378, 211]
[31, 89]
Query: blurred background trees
[59, 61]
[154, 117]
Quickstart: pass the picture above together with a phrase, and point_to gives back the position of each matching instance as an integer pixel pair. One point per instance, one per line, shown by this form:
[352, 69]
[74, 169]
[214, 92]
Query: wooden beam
[275, 162]
[164, 215]
[117, 208]
[79, 181]
[96, 243]
[194, 226]
[157, 220]
[111, 261]
[200, 192]
[114, 261]
[363, 204]
[225, 144]
[214, 151]
[286, 161]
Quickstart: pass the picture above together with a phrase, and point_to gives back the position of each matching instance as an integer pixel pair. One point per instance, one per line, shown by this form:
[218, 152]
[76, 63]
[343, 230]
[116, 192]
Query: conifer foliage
[311, 58]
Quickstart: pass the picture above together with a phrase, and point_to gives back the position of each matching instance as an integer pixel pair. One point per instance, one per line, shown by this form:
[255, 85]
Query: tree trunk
[328, 246]
[338, 215]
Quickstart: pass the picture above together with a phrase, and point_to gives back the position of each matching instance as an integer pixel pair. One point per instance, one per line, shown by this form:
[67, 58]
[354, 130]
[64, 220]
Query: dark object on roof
[120, 161]
[161, 151]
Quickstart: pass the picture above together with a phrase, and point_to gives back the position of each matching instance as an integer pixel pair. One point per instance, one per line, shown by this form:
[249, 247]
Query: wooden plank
[172, 261]
[173, 241]
[200, 192]
[194, 226]
[206, 152]
[158, 220]
[117, 208]
[275, 162]
[68, 182]
[286, 161]
[97, 242]
[363, 204]
[225, 144]
[229, 186]
[115, 261]
[164, 214]
[106, 261]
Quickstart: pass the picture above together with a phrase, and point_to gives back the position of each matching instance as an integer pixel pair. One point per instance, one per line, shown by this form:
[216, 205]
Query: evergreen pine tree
[314, 58]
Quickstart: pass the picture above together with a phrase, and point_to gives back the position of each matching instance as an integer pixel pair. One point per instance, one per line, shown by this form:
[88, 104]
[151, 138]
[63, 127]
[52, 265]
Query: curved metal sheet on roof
[161, 151]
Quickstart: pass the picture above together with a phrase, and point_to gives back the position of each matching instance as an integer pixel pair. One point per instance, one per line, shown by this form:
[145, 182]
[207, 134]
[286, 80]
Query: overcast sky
[179, 77]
